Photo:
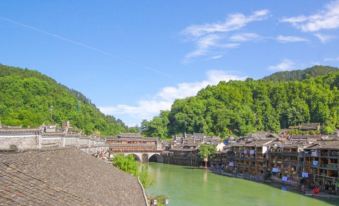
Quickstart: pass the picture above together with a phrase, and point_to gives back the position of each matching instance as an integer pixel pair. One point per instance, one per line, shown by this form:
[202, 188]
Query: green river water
[185, 186]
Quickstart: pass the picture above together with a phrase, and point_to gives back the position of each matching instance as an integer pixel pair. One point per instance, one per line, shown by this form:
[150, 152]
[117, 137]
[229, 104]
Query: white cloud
[284, 65]
[230, 45]
[287, 39]
[232, 22]
[146, 109]
[327, 18]
[324, 38]
[243, 37]
[203, 44]
[212, 36]
[207, 43]
[217, 57]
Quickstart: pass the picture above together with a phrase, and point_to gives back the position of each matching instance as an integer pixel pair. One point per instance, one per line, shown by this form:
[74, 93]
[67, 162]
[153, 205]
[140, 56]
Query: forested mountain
[29, 98]
[301, 74]
[240, 107]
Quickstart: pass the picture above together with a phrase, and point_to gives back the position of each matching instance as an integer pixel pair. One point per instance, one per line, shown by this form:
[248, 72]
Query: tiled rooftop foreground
[64, 177]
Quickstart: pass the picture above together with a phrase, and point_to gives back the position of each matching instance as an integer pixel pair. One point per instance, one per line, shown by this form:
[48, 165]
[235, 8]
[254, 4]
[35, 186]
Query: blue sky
[133, 58]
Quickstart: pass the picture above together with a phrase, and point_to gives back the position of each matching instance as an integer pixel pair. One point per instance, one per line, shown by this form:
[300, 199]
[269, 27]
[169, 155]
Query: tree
[157, 127]
[130, 165]
[241, 107]
[126, 163]
[30, 99]
[206, 150]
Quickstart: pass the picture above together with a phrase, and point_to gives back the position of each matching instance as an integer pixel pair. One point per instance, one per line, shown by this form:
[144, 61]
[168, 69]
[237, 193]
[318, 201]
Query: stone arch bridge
[143, 149]
[143, 156]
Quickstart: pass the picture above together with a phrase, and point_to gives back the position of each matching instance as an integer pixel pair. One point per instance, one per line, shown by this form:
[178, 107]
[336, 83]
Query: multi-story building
[250, 158]
[321, 164]
[223, 161]
[185, 155]
[184, 150]
[306, 160]
[286, 160]
[195, 138]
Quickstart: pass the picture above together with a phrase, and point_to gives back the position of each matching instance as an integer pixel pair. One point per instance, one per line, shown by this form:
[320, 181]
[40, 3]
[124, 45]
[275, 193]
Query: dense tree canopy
[157, 127]
[314, 71]
[240, 107]
[29, 98]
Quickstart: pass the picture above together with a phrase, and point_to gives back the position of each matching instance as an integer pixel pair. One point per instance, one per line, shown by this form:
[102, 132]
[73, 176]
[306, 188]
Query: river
[185, 186]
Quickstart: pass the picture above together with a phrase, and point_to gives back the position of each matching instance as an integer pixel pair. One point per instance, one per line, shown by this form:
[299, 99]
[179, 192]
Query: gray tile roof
[253, 143]
[64, 177]
[333, 145]
[18, 131]
[19, 188]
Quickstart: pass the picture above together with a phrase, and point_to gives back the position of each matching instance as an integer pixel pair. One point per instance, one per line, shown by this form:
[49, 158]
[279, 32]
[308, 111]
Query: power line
[84, 45]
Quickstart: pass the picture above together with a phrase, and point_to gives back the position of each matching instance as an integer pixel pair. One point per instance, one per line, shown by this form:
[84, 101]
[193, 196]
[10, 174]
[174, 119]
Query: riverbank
[287, 187]
[187, 186]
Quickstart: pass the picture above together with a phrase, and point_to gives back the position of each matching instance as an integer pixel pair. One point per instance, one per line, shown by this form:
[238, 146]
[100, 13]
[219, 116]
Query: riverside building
[303, 160]
[321, 165]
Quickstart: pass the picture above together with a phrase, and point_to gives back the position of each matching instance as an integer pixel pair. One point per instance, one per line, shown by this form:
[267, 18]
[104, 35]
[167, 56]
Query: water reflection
[186, 186]
[205, 173]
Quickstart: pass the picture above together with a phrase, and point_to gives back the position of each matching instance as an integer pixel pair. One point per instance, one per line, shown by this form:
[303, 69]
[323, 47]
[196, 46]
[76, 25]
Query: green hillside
[29, 98]
[301, 74]
[240, 107]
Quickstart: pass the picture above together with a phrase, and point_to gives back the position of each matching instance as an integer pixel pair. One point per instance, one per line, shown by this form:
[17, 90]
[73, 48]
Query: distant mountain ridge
[30, 99]
[238, 108]
[314, 71]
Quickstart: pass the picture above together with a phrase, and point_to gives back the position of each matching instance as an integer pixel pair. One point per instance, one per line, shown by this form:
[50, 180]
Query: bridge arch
[137, 156]
[155, 157]
[143, 156]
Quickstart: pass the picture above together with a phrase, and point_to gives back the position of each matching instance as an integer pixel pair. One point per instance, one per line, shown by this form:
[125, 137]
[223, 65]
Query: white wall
[21, 142]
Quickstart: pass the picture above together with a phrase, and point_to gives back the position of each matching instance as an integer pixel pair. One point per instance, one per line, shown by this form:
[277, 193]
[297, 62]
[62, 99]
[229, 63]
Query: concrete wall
[70, 141]
[83, 142]
[21, 142]
[96, 150]
[28, 142]
[50, 142]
